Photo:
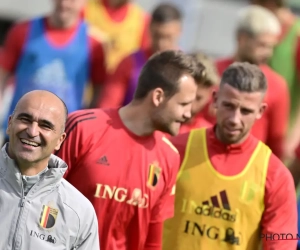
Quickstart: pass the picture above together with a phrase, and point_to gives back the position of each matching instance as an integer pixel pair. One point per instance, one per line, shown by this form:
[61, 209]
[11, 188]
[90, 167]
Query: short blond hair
[256, 20]
[211, 76]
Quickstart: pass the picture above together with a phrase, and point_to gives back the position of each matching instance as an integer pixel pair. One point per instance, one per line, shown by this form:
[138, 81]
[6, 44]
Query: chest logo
[48, 217]
[153, 175]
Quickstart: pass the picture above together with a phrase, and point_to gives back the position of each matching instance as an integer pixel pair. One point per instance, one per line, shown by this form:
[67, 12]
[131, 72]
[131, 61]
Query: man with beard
[122, 163]
[257, 34]
[232, 192]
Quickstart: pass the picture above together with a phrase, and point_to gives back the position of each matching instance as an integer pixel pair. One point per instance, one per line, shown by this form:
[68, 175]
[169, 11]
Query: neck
[57, 23]
[135, 117]
[30, 169]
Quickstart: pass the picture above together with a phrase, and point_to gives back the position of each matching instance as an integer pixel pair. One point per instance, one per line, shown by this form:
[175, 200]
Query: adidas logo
[215, 201]
[103, 161]
[217, 207]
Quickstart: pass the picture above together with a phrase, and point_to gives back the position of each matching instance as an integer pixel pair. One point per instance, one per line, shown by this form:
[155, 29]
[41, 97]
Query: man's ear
[158, 96]
[262, 109]
[60, 141]
[8, 124]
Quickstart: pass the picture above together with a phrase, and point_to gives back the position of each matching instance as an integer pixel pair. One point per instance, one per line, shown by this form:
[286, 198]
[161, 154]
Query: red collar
[227, 148]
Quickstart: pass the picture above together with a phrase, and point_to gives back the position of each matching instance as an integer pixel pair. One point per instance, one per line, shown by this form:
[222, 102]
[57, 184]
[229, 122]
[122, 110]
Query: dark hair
[245, 77]
[165, 13]
[164, 69]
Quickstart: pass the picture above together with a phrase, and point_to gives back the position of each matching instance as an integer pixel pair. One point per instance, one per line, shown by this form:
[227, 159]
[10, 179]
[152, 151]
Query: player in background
[286, 61]
[231, 188]
[257, 34]
[54, 53]
[165, 30]
[124, 27]
[204, 93]
[120, 160]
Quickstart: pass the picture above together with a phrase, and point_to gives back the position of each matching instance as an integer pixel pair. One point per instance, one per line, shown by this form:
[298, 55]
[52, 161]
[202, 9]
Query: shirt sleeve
[76, 142]
[13, 46]
[164, 208]
[280, 215]
[97, 62]
[154, 236]
[279, 115]
[115, 87]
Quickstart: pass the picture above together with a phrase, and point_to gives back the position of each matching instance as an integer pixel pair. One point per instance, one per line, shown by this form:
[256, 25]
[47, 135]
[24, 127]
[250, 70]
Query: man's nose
[33, 129]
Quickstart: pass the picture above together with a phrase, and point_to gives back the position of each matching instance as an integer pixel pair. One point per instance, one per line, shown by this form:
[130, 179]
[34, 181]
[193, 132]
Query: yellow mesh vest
[121, 38]
[213, 211]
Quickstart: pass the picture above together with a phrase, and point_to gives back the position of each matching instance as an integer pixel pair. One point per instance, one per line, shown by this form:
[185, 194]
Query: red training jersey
[17, 36]
[272, 127]
[129, 179]
[280, 215]
[116, 85]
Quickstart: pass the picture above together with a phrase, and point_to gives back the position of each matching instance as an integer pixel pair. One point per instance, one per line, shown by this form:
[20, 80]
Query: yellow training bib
[121, 38]
[213, 211]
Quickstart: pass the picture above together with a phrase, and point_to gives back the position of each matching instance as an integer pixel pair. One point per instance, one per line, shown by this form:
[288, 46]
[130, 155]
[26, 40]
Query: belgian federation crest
[48, 217]
[153, 175]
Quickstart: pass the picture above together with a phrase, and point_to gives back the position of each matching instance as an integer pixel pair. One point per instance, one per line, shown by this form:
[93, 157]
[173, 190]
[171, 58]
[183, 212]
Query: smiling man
[231, 187]
[41, 210]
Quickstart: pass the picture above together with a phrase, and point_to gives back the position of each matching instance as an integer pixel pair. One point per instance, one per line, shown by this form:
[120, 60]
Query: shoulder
[273, 77]
[89, 120]
[96, 36]
[165, 144]
[76, 201]
[20, 29]
[277, 173]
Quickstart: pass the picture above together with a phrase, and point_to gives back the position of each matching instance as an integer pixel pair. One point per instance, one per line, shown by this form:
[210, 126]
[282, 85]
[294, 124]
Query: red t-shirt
[116, 84]
[197, 122]
[129, 179]
[272, 127]
[16, 38]
[280, 215]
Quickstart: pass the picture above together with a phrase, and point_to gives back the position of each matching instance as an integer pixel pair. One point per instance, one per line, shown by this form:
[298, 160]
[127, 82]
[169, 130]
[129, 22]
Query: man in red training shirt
[165, 31]
[286, 62]
[204, 93]
[257, 34]
[128, 167]
[231, 190]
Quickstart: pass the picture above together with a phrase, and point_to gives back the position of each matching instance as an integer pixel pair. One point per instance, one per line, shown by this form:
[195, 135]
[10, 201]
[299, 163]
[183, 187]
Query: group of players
[216, 185]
